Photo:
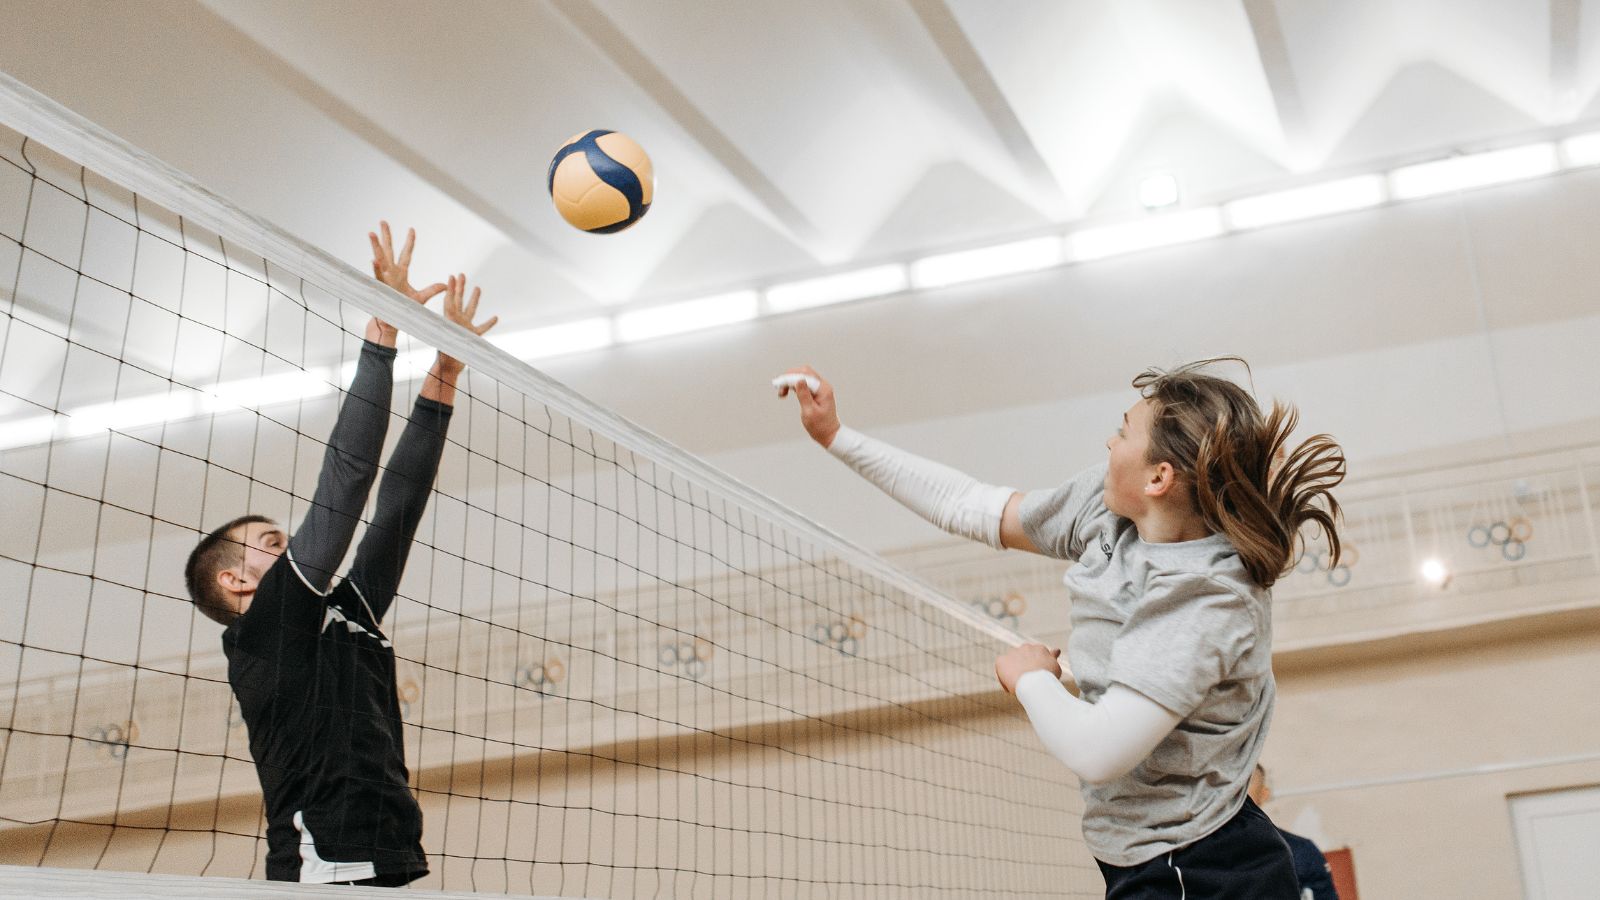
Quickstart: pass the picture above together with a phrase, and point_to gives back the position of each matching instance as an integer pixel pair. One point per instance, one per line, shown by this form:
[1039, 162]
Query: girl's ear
[1161, 481]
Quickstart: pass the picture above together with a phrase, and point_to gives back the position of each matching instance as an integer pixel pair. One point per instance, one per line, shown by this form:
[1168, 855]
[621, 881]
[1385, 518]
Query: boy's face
[260, 543]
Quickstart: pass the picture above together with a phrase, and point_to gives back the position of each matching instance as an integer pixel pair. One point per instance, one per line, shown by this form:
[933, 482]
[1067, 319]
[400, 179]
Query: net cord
[36, 115]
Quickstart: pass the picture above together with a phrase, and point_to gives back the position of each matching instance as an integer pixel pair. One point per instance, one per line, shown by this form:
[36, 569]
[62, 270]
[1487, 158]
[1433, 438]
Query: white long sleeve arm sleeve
[951, 500]
[1098, 741]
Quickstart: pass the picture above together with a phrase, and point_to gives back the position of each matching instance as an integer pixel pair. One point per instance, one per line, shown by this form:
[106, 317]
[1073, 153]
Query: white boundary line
[73, 884]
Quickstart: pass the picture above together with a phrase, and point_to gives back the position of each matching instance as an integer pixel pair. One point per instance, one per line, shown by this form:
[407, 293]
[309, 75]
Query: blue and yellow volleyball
[601, 181]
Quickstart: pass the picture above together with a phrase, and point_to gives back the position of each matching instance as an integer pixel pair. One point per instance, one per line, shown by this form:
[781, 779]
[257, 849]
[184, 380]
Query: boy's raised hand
[461, 313]
[396, 272]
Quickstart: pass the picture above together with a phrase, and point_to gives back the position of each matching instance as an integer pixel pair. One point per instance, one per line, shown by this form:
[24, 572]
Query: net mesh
[616, 678]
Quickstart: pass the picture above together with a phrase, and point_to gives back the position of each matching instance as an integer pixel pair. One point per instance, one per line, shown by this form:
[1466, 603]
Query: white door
[1557, 837]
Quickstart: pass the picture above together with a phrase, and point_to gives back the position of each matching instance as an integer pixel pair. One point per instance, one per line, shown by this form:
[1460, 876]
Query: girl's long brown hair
[1242, 478]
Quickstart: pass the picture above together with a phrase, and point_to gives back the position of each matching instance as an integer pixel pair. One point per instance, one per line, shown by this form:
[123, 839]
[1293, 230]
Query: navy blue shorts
[1245, 859]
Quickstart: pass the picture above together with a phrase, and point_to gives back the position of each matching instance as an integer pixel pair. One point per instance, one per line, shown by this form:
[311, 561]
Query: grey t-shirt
[1182, 624]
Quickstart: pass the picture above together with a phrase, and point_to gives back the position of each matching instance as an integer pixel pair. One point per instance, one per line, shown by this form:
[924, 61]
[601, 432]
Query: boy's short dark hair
[209, 557]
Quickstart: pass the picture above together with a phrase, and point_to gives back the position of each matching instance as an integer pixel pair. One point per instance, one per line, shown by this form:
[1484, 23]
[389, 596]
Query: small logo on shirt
[1105, 547]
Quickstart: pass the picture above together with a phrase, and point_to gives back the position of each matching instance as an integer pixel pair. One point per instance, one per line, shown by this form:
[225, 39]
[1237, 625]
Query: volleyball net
[621, 673]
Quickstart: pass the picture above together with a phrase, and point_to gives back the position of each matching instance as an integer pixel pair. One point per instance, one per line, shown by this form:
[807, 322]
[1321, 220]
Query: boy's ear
[234, 581]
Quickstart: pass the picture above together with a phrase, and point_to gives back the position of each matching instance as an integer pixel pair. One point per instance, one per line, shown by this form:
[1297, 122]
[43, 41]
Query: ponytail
[1242, 478]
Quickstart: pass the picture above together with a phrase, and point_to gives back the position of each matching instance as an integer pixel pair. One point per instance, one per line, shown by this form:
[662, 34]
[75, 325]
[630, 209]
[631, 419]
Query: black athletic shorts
[1245, 859]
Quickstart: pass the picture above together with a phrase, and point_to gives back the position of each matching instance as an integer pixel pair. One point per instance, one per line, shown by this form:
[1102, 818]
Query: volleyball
[601, 181]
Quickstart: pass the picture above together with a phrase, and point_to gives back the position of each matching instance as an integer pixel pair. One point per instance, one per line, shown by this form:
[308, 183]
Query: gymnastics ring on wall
[1478, 536]
[858, 627]
[116, 737]
[703, 649]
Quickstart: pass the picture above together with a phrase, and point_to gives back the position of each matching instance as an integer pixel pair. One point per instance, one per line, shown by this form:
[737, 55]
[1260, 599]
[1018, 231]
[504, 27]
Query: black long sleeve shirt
[312, 669]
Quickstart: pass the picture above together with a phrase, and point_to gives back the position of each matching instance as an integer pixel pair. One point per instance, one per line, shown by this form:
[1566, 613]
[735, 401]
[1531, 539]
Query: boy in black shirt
[307, 659]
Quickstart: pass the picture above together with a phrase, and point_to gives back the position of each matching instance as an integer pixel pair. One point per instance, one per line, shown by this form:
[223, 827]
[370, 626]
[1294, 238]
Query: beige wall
[1423, 708]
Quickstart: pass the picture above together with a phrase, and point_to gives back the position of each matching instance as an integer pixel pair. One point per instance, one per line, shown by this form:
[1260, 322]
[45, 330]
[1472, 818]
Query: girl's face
[1128, 473]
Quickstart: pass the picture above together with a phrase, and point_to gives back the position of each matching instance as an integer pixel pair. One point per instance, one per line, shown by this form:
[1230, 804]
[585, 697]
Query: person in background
[1310, 866]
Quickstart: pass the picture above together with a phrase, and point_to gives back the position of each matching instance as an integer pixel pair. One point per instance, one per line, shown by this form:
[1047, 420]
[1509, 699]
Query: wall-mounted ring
[858, 627]
[703, 649]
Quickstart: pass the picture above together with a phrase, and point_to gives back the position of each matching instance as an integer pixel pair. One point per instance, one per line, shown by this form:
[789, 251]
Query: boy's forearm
[439, 385]
[349, 466]
[381, 334]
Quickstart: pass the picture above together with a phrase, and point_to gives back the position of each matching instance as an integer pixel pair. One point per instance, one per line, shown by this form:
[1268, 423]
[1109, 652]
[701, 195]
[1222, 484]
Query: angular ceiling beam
[390, 145]
[1273, 51]
[964, 59]
[1565, 37]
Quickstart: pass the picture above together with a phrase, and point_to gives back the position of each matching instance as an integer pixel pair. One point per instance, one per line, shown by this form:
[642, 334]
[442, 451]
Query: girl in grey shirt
[1177, 539]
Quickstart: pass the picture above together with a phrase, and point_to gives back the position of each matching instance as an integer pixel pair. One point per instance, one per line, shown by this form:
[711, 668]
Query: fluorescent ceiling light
[1582, 149]
[555, 340]
[987, 262]
[691, 315]
[855, 285]
[180, 403]
[250, 393]
[1308, 202]
[1160, 230]
[1158, 191]
[27, 432]
[1460, 173]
